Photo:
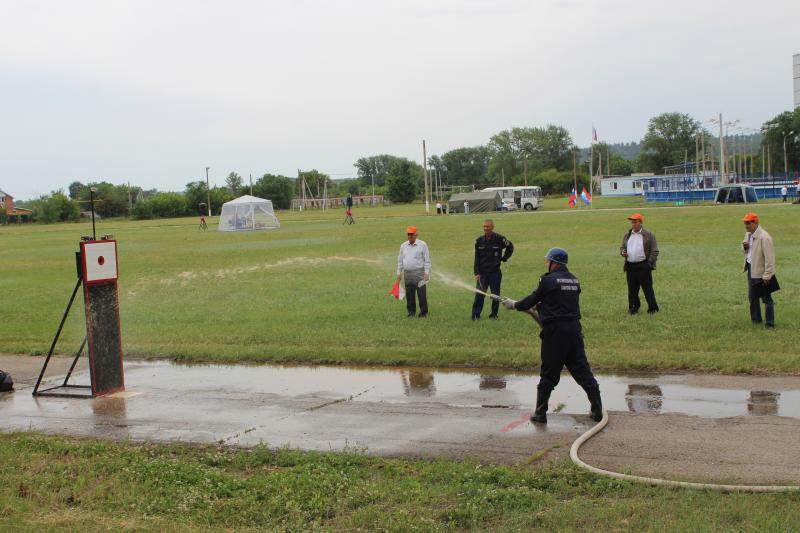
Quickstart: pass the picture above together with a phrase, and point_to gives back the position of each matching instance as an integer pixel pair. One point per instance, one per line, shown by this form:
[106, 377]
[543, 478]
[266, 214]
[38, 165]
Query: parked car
[508, 205]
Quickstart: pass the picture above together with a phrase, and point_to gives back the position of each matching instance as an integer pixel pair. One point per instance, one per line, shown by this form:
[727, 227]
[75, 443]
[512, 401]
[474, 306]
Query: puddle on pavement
[466, 388]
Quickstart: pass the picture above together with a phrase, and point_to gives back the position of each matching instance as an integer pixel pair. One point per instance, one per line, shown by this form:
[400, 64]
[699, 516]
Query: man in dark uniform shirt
[557, 299]
[490, 250]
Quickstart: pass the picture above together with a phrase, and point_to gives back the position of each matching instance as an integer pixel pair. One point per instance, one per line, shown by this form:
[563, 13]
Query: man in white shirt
[640, 250]
[784, 193]
[414, 264]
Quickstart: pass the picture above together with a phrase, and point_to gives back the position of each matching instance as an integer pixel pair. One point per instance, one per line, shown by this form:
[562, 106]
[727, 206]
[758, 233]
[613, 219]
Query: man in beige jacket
[759, 265]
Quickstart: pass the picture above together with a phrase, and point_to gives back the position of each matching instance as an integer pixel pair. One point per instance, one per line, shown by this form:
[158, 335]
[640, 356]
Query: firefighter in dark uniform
[557, 301]
[490, 249]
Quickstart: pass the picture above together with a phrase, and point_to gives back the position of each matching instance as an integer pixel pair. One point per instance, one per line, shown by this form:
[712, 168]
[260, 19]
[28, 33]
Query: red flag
[572, 198]
[398, 291]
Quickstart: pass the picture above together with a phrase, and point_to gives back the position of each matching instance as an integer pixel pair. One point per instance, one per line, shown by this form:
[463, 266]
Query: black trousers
[562, 345]
[488, 281]
[755, 303]
[412, 291]
[640, 275]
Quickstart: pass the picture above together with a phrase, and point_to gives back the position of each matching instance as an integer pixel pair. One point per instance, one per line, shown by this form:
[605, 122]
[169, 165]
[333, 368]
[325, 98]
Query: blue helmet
[557, 255]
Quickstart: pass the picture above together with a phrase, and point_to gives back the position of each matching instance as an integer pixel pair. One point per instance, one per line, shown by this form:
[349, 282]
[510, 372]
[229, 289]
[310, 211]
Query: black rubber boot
[540, 414]
[596, 412]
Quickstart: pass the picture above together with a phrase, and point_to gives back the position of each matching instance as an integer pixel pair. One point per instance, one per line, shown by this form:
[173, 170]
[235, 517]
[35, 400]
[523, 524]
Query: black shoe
[652, 311]
[411, 315]
[422, 315]
[539, 418]
[756, 322]
[474, 318]
[540, 414]
[596, 412]
[632, 311]
[769, 326]
[492, 317]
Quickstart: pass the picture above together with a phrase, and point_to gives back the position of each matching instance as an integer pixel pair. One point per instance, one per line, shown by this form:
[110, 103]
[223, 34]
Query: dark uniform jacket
[489, 253]
[650, 247]
[557, 297]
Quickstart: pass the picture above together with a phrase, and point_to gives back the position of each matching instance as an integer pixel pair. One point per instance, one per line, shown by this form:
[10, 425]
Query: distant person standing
[348, 202]
[784, 193]
[348, 216]
[414, 265]
[490, 250]
[438, 208]
[759, 264]
[640, 250]
[466, 207]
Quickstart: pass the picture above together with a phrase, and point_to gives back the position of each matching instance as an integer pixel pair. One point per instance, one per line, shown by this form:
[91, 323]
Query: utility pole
[723, 177]
[785, 159]
[208, 192]
[574, 171]
[251, 184]
[503, 176]
[525, 169]
[425, 169]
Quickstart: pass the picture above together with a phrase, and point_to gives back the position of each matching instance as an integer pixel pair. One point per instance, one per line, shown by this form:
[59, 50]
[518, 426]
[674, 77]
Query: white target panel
[99, 261]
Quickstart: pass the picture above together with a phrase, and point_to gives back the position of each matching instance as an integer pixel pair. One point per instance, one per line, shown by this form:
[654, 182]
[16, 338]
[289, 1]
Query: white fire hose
[573, 454]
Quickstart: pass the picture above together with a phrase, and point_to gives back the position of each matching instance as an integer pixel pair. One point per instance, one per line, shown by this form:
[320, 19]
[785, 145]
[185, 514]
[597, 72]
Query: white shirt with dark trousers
[414, 260]
[635, 248]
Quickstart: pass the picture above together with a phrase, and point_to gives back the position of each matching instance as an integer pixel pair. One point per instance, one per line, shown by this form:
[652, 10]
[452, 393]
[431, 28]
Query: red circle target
[101, 260]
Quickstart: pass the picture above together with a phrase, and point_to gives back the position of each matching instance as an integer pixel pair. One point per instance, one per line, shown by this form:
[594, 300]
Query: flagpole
[591, 159]
[591, 165]
[575, 171]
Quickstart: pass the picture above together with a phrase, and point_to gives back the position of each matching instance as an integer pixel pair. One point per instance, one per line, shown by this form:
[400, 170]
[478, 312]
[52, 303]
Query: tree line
[544, 156]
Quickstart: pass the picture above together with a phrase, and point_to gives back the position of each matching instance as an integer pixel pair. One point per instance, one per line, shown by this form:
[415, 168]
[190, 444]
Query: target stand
[97, 272]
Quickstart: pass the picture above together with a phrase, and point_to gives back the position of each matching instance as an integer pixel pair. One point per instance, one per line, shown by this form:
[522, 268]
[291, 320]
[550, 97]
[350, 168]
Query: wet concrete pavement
[386, 411]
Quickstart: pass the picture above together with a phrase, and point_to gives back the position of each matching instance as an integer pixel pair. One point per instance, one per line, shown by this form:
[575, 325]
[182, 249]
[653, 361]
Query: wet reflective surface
[387, 410]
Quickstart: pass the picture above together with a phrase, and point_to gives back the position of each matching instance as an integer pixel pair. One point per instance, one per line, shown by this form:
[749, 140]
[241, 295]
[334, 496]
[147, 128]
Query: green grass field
[317, 291]
[72, 484]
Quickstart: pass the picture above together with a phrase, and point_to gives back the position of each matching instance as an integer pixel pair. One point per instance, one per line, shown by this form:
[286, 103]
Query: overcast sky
[152, 92]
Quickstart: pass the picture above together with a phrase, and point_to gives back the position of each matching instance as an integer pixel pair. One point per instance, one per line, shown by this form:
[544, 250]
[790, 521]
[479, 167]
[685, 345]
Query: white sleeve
[400, 261]
[426, 258]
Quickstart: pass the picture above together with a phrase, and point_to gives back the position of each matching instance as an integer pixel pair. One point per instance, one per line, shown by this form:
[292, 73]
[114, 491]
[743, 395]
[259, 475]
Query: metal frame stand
[63, 389]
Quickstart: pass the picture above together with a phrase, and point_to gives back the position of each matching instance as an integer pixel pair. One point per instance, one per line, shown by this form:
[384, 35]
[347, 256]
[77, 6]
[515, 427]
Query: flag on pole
[572, 198]
[586, 197]
[398, 291]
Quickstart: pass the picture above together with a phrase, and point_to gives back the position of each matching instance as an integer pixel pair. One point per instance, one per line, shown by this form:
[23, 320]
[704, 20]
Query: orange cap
[411, 229]
[750, 217]
[636, 216]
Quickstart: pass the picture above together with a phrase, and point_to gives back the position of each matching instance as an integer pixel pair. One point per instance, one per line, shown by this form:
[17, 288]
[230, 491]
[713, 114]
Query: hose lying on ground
[573, 454]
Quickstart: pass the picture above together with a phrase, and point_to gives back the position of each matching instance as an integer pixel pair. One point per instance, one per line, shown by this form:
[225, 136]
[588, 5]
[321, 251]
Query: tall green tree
[377, 168]
[278, 189]
[670, 140]
[464, 166]
[316, 181]
[775, 130]
[196, 193]
[528, 151]
[109, 200]
[401, 184]
[55, 207]
[234, 183]
[75, 189]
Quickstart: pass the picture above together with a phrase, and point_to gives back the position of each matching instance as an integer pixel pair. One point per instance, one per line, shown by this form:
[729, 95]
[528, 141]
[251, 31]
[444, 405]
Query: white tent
[247, 213]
